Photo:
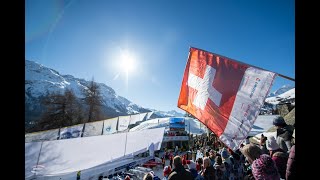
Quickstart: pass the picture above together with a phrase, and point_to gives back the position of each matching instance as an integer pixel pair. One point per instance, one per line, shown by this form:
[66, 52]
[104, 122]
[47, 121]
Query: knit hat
[127, 177]
[224, 154]
[271, 144]
[166, 170]
[264, 168]
[279, 121]
[191, 164]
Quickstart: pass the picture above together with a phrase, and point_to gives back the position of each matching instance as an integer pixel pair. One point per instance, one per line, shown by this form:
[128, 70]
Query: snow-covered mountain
[281, 90]
[40, 80]
[285, 94]
[162, 114]
[285, 97]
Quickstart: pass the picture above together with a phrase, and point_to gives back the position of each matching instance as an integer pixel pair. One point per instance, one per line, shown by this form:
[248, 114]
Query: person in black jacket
[284, 133]
[179, 172]
[209, 173]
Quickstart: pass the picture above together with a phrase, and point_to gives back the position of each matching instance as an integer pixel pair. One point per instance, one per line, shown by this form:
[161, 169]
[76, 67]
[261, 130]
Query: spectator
[208, 171]
[273, 146]
[264, 168]
[219, 167]
[192, 167]
[212, 157]
[263, 145]
[251, 152]
[166, 171]
[199, 164]
[281, 159]
[284, 133]
[291, 165]
[163, 162]
[171, 159]
[227, 162]
[148, 176]
[179, 172]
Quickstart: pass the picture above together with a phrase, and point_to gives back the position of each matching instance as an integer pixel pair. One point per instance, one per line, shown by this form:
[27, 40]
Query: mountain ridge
[41, 80]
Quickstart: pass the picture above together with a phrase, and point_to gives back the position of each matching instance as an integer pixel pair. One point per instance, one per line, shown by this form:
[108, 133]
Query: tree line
[65, 109]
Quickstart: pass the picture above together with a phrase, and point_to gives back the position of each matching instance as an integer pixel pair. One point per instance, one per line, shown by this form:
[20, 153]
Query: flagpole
[286, 77]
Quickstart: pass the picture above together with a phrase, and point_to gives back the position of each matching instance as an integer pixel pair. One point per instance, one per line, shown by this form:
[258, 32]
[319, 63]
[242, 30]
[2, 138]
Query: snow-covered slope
[40, 80]
[281, 90]
[284, 97]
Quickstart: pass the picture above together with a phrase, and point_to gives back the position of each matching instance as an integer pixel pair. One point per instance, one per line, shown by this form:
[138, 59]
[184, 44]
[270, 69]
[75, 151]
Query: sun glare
[127, 62]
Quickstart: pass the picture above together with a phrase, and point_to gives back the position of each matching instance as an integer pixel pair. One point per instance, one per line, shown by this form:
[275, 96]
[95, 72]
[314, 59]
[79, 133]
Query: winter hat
[224, 154]
[271, 144]
[191, 164]
[279, 121]
[264, 168]
[127, 177]
[166, 170]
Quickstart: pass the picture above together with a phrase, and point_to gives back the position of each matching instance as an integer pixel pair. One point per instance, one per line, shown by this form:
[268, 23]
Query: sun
[127, 62]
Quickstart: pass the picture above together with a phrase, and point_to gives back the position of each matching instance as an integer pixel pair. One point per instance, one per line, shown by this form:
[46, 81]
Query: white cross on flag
[223, 94]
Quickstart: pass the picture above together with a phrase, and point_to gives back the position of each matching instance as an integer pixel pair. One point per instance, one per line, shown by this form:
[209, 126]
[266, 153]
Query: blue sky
[92, 39]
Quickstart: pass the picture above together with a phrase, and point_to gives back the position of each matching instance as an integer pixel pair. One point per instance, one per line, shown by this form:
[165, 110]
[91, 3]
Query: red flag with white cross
[223, 94]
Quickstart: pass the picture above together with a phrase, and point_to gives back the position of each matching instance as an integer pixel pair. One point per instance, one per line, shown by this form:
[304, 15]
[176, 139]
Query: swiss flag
[223, 94]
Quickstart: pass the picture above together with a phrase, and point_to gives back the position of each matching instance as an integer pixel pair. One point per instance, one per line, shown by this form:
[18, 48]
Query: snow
[262, 124]
[281, 90]
[290, 94]
[32, 151]
[52, 134]
[62, 157]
